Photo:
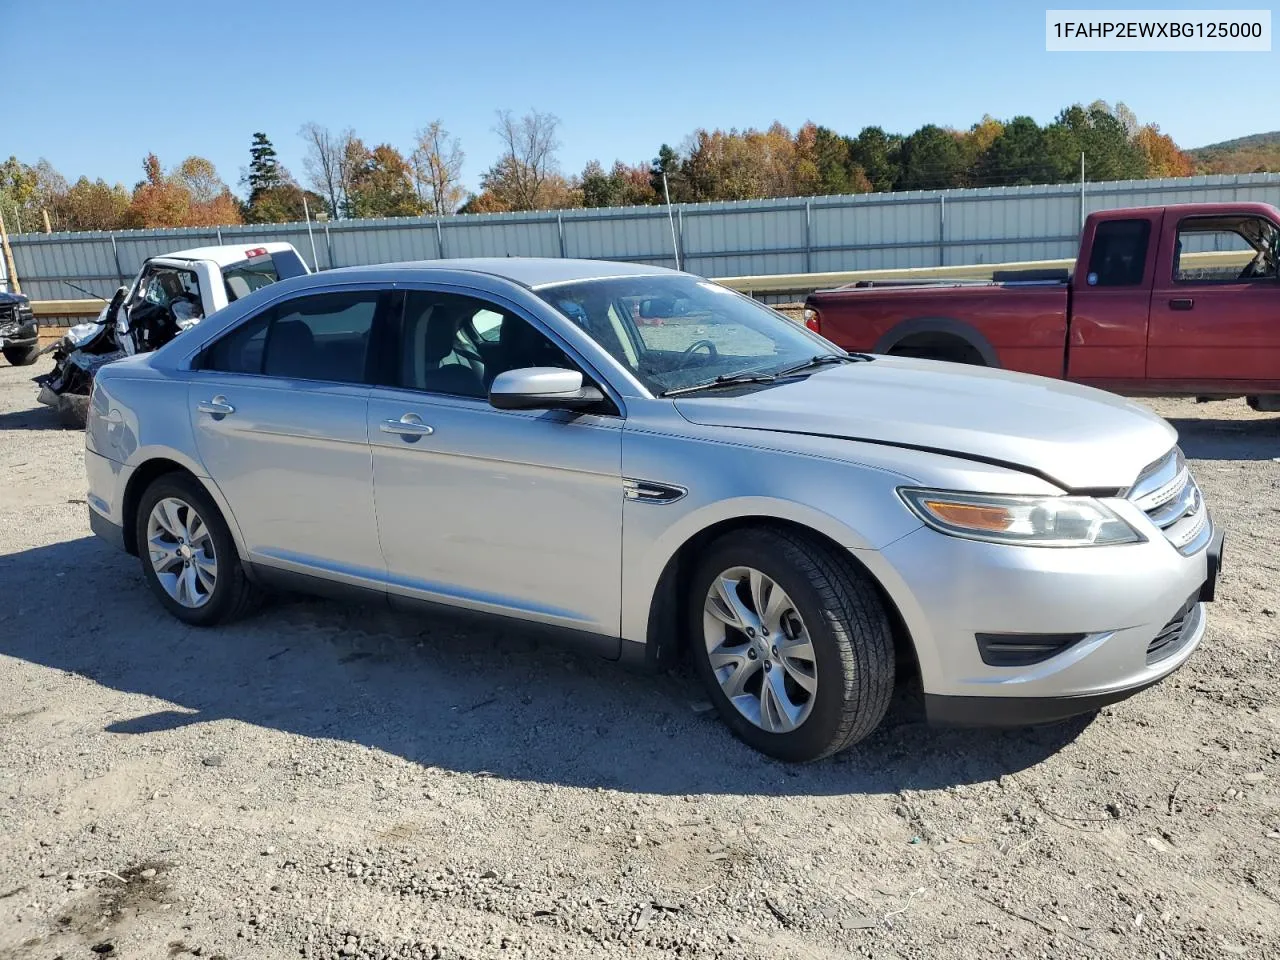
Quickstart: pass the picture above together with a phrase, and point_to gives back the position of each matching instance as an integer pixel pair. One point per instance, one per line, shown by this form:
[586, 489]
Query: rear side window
[241, 350]
[324, 337]
[320, 337]
[1119, 253]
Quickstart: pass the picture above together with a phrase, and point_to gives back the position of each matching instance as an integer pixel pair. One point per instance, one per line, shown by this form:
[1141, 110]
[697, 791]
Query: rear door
[279, 409]
[1111, 301]
[1215, 310]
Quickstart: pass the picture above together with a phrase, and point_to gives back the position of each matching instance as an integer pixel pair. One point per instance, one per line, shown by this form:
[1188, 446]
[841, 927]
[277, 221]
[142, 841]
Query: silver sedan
[648, 465]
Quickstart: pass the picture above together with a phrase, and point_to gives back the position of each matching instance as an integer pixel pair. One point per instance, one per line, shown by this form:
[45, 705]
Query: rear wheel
[188, 556]
[22, 356]
[792, 642]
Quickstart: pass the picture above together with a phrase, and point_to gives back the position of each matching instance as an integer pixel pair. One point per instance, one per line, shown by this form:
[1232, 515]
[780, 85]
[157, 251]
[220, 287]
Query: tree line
[344, 177]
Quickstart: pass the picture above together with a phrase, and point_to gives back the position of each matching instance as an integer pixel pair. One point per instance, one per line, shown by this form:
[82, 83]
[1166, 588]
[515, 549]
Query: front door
[511, 512]
[279, 406]
[1215, 309]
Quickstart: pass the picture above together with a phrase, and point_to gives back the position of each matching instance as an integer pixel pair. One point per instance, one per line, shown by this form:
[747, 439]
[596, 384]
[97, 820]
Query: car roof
[531, 272]
[226, 254]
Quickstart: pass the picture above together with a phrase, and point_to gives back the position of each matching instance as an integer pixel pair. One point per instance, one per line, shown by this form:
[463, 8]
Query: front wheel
[22, 356]
[792, 642]
[188, 556]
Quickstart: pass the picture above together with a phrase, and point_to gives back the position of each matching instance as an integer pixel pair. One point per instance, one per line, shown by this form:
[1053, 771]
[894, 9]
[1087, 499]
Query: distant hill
[1252, 154]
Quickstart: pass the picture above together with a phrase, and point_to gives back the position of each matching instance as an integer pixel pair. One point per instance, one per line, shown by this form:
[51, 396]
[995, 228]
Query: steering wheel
[712, 352]
[1251, 269]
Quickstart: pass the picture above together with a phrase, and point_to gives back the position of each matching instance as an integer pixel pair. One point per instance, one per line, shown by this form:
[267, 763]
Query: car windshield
[677, 331]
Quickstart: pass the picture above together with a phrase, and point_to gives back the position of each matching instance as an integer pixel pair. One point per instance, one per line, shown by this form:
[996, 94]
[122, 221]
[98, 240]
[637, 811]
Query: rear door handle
[1182, 303]
[218, 406]
[410, 426]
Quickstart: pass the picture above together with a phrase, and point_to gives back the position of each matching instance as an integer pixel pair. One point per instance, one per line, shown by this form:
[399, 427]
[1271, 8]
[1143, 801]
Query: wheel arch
[960, 330]
[145, 474]
[665, 635]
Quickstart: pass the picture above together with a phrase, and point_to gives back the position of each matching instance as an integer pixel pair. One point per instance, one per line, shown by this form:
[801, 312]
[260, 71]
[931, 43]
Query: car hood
[7, 298]
[1077, 437]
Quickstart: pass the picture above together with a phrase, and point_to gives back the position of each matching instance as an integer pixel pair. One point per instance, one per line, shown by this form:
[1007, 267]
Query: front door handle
[410, 426]
[218, 406]
[1181, 303]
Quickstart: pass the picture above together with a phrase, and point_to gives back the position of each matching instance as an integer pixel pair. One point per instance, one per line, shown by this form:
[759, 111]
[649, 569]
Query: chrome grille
[1167, 493]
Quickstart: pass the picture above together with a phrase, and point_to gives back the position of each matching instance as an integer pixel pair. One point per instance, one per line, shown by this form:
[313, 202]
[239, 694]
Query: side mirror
[542, 388]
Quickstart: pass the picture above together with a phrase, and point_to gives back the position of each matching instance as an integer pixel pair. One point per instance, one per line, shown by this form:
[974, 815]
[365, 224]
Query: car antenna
[83, 290]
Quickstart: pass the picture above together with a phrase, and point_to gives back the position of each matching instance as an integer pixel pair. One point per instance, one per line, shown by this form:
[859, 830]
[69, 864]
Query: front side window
[457, 345]
[320, 337]
[674, 331]
[1226, 250]
[1119, 254]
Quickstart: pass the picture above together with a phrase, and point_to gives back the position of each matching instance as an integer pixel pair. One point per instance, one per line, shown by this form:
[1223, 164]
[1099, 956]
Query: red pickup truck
[1163, 300]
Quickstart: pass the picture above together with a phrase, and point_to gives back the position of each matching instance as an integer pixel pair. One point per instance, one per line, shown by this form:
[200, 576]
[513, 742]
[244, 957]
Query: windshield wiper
[724, 380]
[821, 360]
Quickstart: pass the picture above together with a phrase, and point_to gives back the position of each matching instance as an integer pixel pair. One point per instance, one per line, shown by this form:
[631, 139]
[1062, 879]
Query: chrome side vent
[1167, 493]
[651, 492]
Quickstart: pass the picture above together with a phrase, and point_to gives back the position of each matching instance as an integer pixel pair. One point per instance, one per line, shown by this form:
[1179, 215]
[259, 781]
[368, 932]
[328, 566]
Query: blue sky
[126, 77]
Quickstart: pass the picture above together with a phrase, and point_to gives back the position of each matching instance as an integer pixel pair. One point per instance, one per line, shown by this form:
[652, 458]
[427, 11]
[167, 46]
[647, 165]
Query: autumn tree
[1163, 158]
[92, 205]
[28, 189]
[522, 175]
[437, 169]
[383, 185]
[211, 200]
[622, 186]
[157, 200]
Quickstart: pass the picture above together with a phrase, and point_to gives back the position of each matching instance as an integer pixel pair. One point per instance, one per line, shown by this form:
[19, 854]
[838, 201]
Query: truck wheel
[22, 356]
[188, 556]
[792, 642]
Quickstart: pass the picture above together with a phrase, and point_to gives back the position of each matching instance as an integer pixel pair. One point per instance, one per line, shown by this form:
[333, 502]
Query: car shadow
[445, 694]
[38, 417]
[1225, 439]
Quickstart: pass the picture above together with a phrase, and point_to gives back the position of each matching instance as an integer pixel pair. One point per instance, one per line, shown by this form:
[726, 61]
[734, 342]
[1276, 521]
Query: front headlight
[1029, 521]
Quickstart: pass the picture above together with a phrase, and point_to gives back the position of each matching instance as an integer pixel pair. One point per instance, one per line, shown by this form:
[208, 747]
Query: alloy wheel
[182, 554]
[760, 651]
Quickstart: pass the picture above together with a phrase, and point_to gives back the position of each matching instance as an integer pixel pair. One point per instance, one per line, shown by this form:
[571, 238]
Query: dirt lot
[328, 781]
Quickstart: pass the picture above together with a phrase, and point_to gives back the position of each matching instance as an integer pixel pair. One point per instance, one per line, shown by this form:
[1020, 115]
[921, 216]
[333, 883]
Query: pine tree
[264, 169]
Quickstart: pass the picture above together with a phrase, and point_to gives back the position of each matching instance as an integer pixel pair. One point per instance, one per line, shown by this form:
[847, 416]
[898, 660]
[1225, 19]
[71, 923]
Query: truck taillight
[813, 319]
[255, 252]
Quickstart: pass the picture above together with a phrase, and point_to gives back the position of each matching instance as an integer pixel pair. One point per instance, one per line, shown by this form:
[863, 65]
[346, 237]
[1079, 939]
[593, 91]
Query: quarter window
[1226, 250]
[1119, 253]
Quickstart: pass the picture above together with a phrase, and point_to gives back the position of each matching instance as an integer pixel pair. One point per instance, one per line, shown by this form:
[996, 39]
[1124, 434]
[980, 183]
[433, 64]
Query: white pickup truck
[191, 284]
[170, 294]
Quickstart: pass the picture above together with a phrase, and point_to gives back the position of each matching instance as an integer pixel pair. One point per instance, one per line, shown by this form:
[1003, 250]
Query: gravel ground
[331, 781]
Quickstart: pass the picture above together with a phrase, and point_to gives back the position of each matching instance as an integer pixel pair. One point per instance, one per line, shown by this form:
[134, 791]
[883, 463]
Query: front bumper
[19, 334]
[1128, 601]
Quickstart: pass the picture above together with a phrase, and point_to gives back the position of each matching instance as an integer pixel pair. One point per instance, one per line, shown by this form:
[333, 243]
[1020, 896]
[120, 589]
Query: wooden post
[14, 285]
[45, 213]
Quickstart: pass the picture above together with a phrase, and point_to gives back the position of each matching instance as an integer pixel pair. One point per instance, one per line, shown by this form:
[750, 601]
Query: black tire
[847, 624]
[22, 356]
[233, 595]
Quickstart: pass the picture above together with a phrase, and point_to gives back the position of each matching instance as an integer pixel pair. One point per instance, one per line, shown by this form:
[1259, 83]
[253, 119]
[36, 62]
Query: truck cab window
[1226, 250]
[1119, 253]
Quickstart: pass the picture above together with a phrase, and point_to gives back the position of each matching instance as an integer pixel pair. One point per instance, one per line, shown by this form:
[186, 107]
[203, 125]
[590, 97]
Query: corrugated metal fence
[753, 237]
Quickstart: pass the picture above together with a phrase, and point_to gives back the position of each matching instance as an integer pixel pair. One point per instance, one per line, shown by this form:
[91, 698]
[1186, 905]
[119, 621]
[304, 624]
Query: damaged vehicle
[501, 437]
[170, 295]
[19, 332]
